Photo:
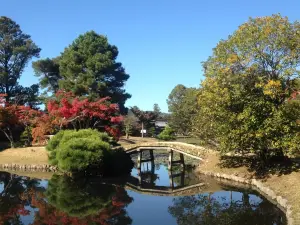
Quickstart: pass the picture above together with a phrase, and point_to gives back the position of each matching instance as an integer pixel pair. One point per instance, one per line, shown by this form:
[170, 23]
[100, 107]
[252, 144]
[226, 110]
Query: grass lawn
[23, 156]
[39, 156]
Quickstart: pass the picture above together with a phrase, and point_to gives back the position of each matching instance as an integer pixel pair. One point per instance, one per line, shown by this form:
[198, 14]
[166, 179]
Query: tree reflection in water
[87, 200]
[66, 201]
[205, 209]
[12, 201]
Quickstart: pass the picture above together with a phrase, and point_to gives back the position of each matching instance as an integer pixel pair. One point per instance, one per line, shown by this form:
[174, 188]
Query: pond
[153, 194]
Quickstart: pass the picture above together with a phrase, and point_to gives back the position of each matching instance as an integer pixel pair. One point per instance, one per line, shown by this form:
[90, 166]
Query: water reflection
[64, 201]
[217, 209]
[92, 200]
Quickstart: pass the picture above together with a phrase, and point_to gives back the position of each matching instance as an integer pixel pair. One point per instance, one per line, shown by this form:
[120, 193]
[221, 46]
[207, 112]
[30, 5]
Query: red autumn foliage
[44, 124]
[8, 120]
[69, 109]
[27, 115]
[13, 115]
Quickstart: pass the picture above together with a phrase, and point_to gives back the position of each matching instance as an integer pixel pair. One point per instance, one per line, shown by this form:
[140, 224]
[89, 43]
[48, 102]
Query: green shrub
[73, 151]
[76, 150]
[53, 145]
[54, 141]
[78, 154]
[167, 134]
[111, 140]
[84, 133]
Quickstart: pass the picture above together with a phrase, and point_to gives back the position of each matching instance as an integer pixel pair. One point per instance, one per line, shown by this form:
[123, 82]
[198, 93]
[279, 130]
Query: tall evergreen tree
[16, 49]
[29, 96]
[48, 71]
[87, 67]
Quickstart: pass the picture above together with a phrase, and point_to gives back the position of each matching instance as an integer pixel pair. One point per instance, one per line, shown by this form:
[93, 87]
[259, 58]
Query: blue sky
[161, 42]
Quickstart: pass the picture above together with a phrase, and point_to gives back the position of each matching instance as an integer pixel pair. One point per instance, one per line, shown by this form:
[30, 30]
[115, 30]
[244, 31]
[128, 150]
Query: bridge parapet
[188, 149]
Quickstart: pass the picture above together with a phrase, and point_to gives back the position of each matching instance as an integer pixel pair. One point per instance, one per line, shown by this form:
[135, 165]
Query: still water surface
[149, 196]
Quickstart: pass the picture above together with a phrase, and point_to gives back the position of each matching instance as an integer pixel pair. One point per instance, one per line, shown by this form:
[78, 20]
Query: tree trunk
[142, 129]
[11, 139]
[12, 144]
[264, 158]
[9, 136]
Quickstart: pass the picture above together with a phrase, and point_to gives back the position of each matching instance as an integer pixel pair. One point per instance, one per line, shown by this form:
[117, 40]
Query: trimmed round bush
[80, 153]
[53, 145]
[85, 133]
[54, 141]
[75, 151]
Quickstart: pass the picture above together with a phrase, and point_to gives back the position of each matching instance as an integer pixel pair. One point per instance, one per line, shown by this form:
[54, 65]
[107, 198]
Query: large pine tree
[87, 67]
[16, 49]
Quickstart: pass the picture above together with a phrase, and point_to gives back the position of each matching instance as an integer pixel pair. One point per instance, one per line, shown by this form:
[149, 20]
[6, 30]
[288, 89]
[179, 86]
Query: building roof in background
[161, 123]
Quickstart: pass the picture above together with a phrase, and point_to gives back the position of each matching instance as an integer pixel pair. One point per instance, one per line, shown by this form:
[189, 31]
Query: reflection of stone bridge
[144, 183]
[133, 185]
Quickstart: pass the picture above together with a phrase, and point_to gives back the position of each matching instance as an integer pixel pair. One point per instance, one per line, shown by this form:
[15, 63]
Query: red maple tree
[43, 125]
[13, 115]
[68, 109]
[8, 118]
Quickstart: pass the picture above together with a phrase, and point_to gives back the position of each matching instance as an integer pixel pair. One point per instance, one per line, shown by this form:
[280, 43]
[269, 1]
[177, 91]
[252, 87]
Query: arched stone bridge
[193, 151]
[138, 183]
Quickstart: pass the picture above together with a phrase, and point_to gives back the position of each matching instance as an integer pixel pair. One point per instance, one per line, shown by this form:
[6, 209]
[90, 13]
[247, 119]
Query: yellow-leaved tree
[245, 102]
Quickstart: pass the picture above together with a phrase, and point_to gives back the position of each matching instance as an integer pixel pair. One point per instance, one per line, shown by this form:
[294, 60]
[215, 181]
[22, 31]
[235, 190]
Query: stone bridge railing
[187, 149]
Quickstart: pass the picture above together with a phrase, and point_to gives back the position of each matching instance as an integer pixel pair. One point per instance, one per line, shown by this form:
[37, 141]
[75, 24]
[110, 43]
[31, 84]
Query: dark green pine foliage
[29, 96]
[16, 49]
[48, 71]
[88, 67]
